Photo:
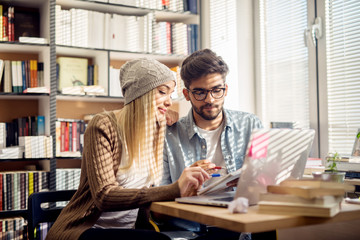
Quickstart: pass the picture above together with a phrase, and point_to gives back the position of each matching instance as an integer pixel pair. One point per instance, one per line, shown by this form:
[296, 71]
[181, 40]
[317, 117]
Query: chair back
[37, 214]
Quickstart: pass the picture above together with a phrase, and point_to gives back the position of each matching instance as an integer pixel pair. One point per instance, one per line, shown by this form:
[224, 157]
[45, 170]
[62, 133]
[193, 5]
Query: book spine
[31, 182]
[1, 192]
[23, 74]
[5, 29]
[4, 192]
[9, 191]
[1, 23]
[69, 135]
[22, 190]
[74, 137]
[12, 24]
[36, 181]
[40, 125]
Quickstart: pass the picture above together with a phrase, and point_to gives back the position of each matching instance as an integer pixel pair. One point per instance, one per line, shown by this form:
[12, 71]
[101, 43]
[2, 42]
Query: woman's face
[163, 99]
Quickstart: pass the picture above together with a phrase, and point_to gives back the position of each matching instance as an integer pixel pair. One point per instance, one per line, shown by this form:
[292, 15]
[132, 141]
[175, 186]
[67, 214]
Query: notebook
[272, 156]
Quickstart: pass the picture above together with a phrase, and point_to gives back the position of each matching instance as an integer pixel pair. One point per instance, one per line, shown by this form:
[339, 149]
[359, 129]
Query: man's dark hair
[202, 63]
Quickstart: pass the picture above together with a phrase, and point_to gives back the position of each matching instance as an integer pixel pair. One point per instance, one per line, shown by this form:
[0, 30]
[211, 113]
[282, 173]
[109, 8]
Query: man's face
[207, 95]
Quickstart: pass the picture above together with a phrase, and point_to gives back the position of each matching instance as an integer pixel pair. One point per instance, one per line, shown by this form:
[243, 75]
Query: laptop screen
[273, 155]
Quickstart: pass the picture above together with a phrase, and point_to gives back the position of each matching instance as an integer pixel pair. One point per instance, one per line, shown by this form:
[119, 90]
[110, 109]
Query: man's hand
[205, 164]
[171, 117]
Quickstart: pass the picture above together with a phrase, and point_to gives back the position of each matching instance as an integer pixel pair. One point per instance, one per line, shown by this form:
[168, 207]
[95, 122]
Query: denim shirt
[183, 144]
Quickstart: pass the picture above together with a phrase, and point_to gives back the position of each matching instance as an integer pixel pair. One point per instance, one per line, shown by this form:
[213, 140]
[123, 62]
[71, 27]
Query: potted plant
[331, 172]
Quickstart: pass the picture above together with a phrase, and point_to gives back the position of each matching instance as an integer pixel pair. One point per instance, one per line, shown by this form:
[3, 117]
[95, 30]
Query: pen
[218, 167]
[215, 175]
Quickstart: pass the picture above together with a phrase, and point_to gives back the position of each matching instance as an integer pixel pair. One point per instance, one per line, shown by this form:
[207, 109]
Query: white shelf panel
[160, 15]
[170, 16]
[103, 7]
[23, 96]
[15, 47]
[171, 59]
[89, 98]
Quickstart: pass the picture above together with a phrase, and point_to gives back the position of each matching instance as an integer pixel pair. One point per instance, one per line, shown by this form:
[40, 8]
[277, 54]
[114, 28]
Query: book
[312, 210]
[1, 24]
[40, 125]
[317, 184]
[2, 65]
[220, 184]
[293, 199]
[35, 40]
[1, 191]
[26, 22]
[305, 191]
[5, 32]
[11, 27]
[7, 76]
[72, 72]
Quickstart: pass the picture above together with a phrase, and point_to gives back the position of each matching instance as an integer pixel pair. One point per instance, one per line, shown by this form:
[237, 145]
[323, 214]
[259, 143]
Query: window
[223, 37]
[284, 77]
[342, 27]
[315, 82]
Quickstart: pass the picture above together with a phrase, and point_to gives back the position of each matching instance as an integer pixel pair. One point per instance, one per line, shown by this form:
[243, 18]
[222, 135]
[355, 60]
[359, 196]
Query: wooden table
[252, 221]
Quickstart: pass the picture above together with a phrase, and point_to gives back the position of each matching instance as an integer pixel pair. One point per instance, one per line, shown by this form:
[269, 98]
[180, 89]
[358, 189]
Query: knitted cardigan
[98, 189]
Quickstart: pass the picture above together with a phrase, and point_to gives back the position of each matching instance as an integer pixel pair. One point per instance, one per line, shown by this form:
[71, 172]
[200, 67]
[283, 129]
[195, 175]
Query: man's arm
[166, 179]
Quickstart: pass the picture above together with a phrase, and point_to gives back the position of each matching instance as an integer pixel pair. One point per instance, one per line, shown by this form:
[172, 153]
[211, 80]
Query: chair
[37, 214]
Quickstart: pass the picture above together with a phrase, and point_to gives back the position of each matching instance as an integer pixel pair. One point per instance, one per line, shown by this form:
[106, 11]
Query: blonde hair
[142, 136]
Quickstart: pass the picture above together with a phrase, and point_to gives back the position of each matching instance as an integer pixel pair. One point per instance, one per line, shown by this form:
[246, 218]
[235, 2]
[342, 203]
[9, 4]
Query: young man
[209, 135]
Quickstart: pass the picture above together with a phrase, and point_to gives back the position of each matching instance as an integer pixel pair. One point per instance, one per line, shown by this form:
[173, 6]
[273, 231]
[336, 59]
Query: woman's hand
[171, 117]
[191, 180]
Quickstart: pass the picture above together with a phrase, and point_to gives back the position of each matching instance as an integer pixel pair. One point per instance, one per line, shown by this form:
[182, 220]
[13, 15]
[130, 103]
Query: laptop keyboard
[224, 199]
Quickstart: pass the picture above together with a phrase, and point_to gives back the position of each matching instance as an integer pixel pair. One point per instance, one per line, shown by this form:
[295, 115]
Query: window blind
[223, 41]
[343, 73]
[284, 62]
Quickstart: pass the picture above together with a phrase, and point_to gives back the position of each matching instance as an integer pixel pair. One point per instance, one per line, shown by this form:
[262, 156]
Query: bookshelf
[56, 105]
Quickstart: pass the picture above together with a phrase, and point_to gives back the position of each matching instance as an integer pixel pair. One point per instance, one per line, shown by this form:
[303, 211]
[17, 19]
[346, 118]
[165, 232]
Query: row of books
[19, 127]
[7, 27]
[175, 38]
[67, 179]
[13, 228]
[17, 76]
[69, 137]
[36, 146]
[84, 28]
[14, 152]
[17, 186]
[172, 5]
[304, 198]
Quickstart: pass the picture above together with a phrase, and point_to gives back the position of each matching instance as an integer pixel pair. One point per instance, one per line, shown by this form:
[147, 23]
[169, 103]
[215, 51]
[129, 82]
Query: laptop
[272, 156]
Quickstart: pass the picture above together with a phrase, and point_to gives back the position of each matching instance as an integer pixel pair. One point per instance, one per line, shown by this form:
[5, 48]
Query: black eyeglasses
[201, 94]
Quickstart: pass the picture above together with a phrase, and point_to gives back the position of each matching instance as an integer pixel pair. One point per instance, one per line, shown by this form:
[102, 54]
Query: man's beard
[200, 111]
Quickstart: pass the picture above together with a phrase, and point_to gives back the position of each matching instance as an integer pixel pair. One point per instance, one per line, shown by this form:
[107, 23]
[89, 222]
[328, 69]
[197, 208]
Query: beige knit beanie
[140, 76]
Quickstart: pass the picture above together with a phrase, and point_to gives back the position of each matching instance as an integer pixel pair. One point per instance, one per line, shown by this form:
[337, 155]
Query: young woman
[122, 161]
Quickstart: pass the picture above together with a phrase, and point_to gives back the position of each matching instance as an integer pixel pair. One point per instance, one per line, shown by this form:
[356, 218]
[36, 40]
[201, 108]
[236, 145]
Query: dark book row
[19, 127]
[17, 186]
[13, 228]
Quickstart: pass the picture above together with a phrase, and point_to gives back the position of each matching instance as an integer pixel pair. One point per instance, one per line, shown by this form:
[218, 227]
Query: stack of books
[304, 198]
